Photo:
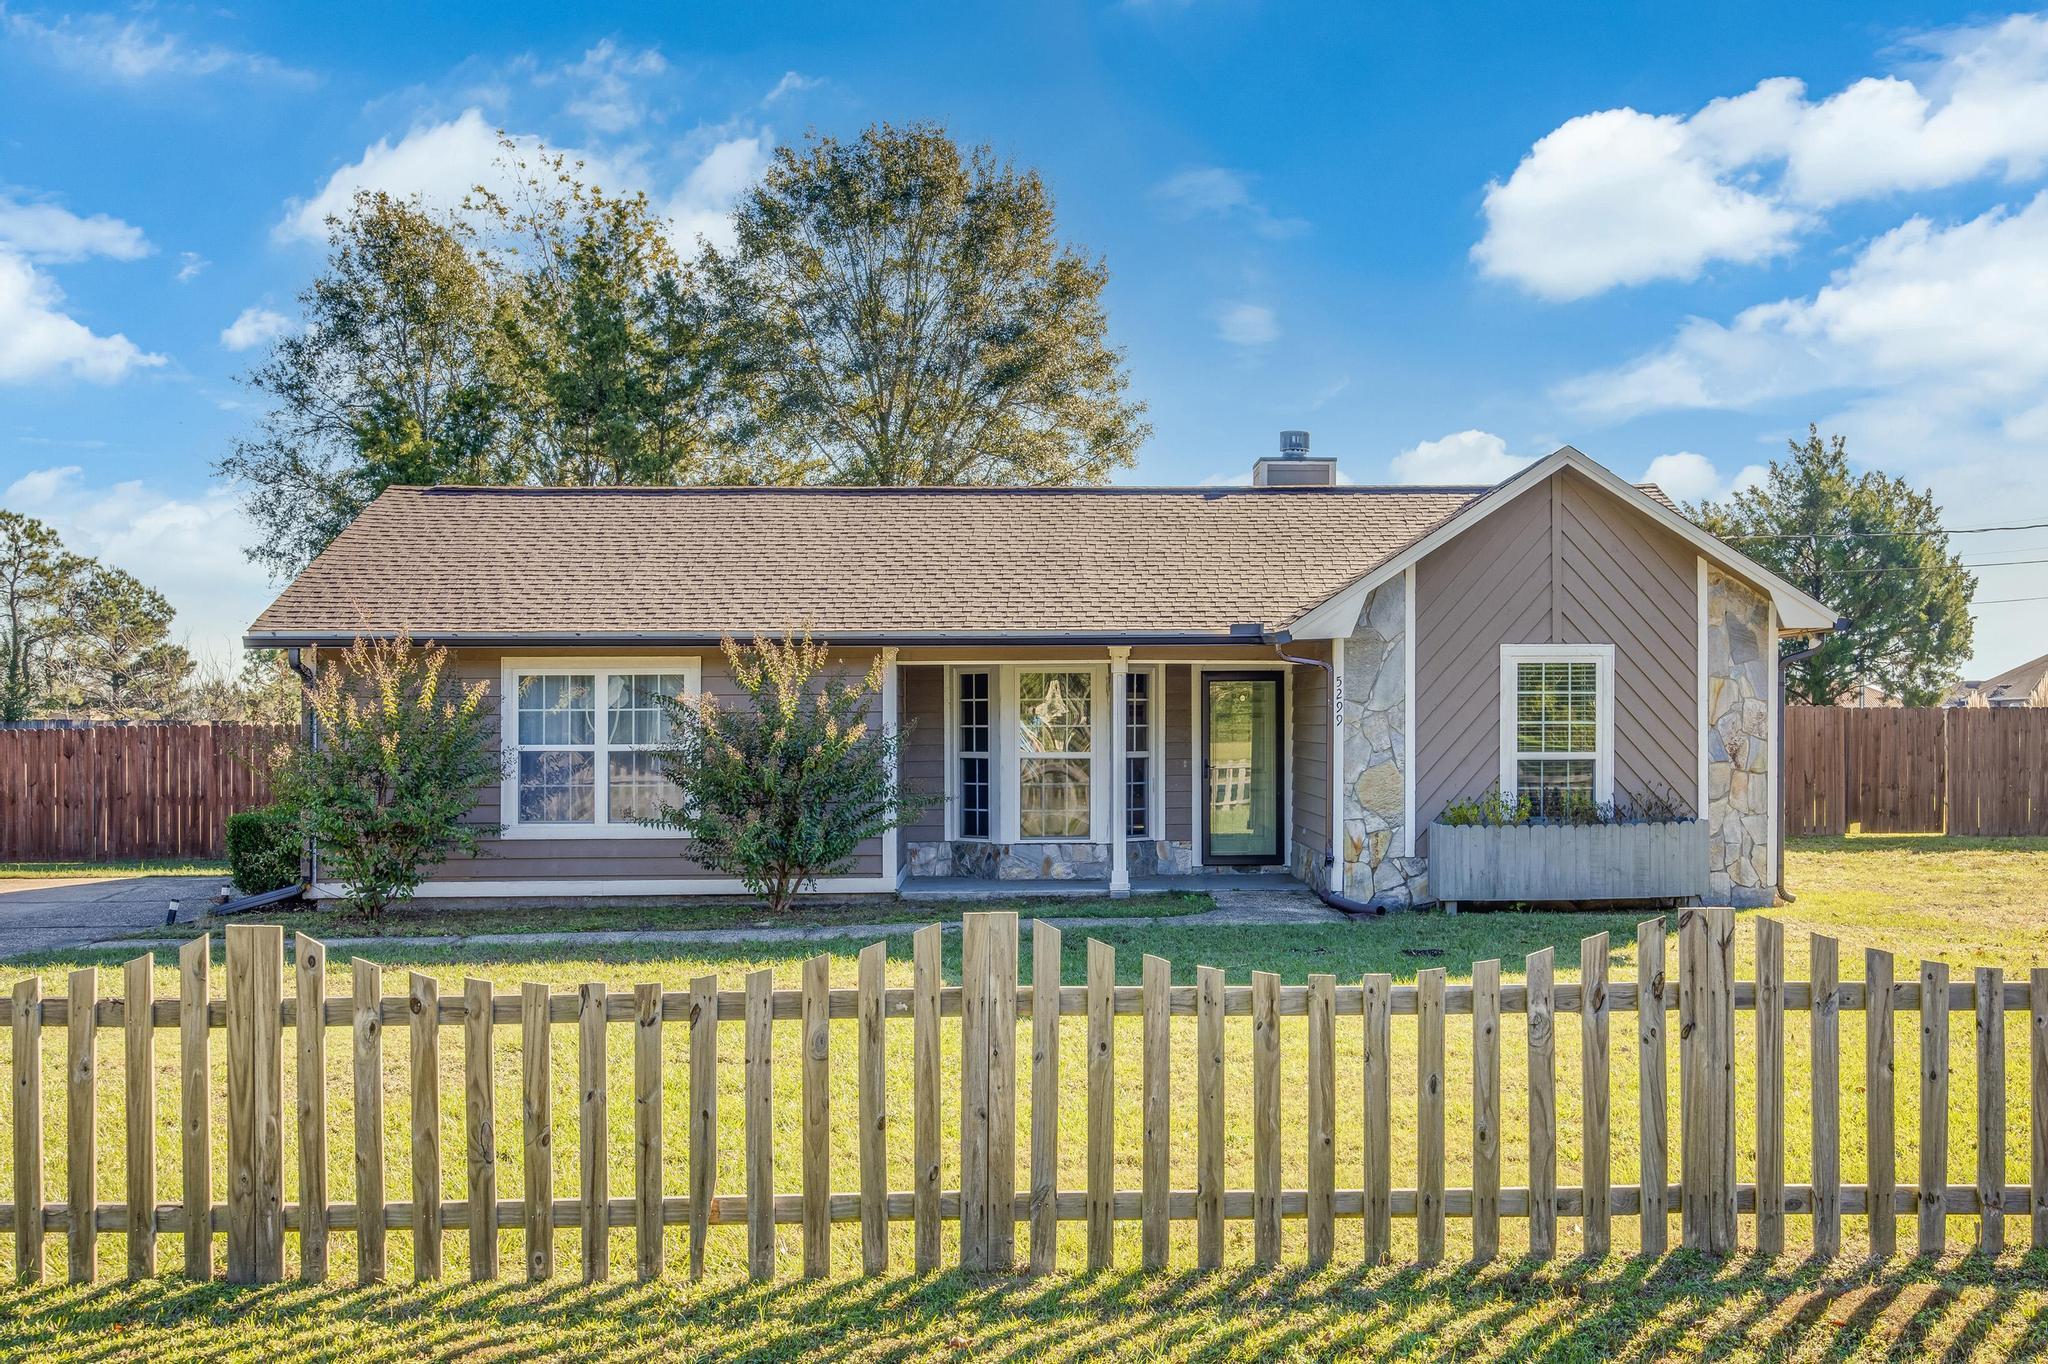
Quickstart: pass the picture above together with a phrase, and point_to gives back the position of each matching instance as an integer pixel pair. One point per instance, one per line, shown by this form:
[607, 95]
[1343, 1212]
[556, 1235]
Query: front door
[1243, 767]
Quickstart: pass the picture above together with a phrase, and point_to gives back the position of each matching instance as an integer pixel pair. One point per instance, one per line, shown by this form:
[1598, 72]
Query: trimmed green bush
[263, 850]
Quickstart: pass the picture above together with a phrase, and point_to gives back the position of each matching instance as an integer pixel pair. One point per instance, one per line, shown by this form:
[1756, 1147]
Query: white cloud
[186, 546]
[190, 264]
[1218, 192]
[437, 163]
[1690, 477]
[1463, 457]
[1618, 198]
[702, 207]
[39, 341]
[1622, 197]
[792, 83]
[1247, 324]
[45, 232]
[254, 326]
[139, 49]
[1956, 315]
[607, 78]
[441, 163]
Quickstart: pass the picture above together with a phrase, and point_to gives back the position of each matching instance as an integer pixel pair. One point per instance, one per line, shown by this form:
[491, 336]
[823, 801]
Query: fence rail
[1953, 770]
[100, 792]
[265, 1029]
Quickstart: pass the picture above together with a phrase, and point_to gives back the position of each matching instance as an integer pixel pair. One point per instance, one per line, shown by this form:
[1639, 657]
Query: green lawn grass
[1981, 903]
[427, 919]
[28, 871]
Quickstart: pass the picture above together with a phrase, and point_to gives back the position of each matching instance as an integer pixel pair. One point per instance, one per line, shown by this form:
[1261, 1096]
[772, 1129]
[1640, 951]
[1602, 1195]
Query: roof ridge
[923, 490]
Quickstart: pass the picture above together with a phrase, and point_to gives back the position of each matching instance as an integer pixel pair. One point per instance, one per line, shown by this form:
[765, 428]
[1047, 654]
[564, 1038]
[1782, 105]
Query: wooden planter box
[1568, 862]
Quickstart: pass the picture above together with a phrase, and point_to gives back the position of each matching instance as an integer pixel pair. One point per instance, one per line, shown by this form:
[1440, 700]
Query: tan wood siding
[1563, 564]
[921, 697]
[1309, 758]
[1624, 580]
[581, 859]
[1488, 587]
[1180, 753]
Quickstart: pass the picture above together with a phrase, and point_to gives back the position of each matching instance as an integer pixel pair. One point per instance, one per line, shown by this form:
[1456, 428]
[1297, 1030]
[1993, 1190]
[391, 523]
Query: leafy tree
[117, 661]
[37, 579]
[895, 315]
[263, 691]
[388, 381]
[784, 787]
[604, 345]
[1872, 548]
[401, 753]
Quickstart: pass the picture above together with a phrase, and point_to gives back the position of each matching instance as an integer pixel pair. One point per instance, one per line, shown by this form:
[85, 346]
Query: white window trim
[1602, 655]
[1097, 754]
[559, 665]
[1105, 788]
[1154, 754]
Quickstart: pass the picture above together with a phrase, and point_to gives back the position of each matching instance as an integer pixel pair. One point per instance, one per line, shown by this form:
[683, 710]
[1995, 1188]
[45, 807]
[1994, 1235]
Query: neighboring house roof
[540, 565]
[2026, 685]
[1335, 614]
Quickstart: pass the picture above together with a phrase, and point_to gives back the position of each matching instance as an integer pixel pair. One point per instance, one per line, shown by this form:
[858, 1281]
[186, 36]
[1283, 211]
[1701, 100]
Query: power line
[2004, 601]
[1880, 534]
[1915, 568]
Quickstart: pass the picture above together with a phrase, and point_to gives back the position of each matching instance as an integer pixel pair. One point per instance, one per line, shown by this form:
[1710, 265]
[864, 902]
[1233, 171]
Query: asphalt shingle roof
[453, 562]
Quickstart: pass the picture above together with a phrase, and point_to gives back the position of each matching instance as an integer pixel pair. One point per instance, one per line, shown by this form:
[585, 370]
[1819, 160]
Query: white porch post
[891, 722]
[1119, 854]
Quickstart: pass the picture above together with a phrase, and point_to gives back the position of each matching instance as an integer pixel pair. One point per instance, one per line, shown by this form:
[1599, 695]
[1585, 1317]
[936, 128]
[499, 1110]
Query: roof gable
[1335, 615]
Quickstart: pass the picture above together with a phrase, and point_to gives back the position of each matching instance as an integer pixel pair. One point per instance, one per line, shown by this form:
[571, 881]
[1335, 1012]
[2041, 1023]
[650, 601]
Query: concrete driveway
[41, 915]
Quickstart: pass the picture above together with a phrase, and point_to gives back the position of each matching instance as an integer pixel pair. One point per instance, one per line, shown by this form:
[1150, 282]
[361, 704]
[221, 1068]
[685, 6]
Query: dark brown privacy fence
[100, 792]
[1953, 770]
[265, 1031]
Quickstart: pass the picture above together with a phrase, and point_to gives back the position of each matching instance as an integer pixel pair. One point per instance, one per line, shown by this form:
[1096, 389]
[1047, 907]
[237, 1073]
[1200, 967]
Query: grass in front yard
[30, 871]
[1571, 1312]
[427, 919]
[1970, 905]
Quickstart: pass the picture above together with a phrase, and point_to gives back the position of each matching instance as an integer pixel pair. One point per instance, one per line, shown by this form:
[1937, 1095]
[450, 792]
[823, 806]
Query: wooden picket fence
[263, 1027]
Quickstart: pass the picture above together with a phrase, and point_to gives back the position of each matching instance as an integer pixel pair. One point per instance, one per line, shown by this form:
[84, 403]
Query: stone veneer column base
[1375, 869]
[1740, 655]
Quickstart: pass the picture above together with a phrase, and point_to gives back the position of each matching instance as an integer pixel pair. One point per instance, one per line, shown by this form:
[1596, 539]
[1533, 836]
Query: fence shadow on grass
[1616, 1309]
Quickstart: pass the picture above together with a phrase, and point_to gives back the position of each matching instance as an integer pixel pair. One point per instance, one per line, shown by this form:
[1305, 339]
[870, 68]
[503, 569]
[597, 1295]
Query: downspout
[309, 861]
[1778, 777]
[1334, 899]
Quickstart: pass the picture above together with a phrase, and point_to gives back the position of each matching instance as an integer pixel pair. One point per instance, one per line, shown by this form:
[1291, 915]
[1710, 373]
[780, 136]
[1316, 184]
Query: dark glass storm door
[1243, 767]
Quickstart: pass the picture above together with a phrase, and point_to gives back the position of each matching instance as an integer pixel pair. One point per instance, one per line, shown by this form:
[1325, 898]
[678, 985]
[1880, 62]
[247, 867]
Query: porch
[1112, 770]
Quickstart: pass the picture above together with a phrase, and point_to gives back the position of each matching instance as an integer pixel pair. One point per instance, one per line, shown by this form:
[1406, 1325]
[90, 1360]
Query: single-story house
[2025, 686]
[1107, 683]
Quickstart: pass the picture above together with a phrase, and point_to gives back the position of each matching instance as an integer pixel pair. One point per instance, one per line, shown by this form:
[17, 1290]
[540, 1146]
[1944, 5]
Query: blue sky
[1443, 239]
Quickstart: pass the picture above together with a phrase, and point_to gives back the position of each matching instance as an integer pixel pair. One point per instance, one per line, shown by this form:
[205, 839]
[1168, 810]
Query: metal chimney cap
[1293, 444]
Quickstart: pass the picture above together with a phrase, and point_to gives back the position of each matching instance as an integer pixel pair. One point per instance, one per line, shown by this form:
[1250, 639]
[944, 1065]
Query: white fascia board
[1335, 615]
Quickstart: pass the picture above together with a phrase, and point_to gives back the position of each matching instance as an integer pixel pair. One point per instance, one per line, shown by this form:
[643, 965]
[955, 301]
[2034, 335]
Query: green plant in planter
[1494, 809]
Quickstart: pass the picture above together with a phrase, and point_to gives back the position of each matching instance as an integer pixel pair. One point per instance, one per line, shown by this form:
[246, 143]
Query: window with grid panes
[1557, 731]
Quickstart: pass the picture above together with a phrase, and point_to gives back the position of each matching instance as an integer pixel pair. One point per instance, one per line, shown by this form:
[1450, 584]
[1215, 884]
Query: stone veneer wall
[1046, 861]
[1375, 869]
[1740, 654]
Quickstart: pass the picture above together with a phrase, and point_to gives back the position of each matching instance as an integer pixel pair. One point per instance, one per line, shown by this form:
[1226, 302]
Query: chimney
[1294, 468]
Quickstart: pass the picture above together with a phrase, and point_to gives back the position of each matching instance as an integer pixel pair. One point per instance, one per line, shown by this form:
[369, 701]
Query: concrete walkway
[70, 911]
[1292, 904]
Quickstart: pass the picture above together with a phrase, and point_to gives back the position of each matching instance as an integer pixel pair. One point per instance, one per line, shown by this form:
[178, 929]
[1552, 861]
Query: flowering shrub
[384, 790]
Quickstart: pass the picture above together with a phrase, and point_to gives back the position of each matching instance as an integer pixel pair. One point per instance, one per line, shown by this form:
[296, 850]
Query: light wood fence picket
[255, 1014]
